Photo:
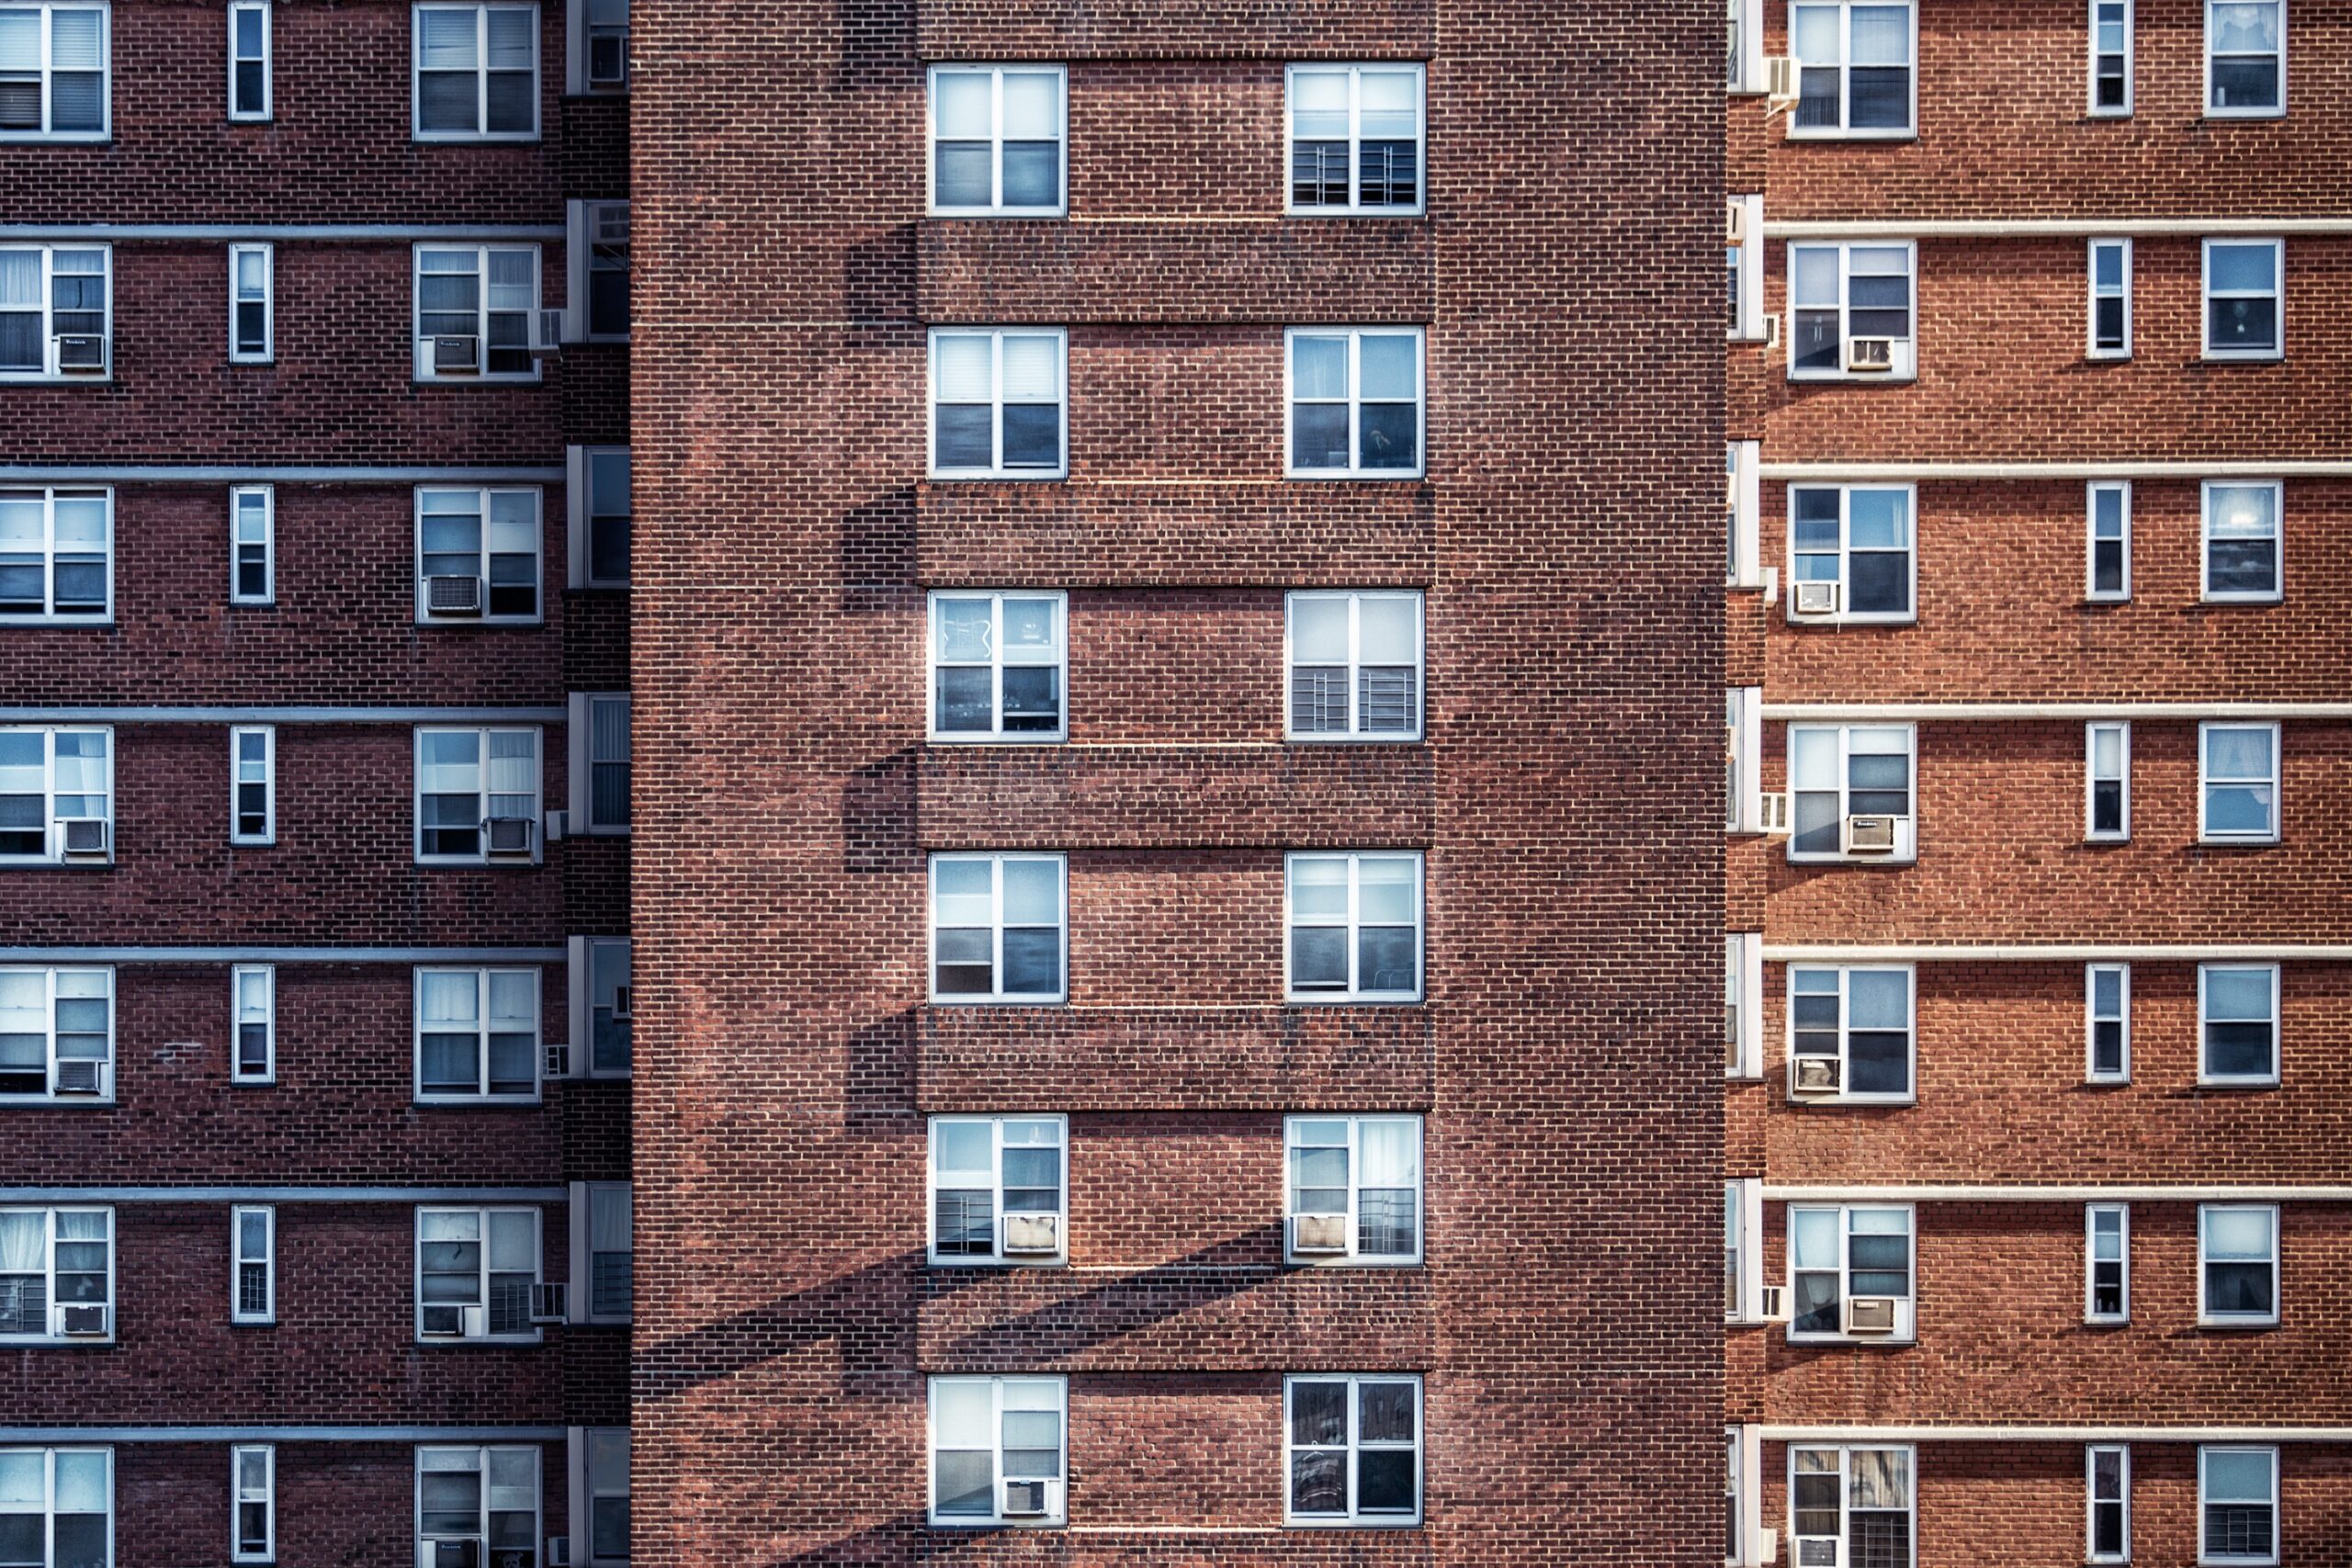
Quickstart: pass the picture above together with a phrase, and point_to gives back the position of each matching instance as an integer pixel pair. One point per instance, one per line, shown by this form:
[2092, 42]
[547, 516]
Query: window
[1744, 269]
[1855, 75]
[252, 1505]
[1851, 310]
[1352, 1449]
[477, 73]
[1355, 1188]
[602, 1003]
[249, 305]
[475, 1270]
[2108, 1483]
[53, 72]
[600, 763]
[999, 927]
[604, 1256]
[253, 993]
[1356, 666]
[1355, 139]
[56, 1276]
[61, 1501]
[1000, 1191]
[252, 545]
[2106, 1285]
[56, 553]
[997, 133]
[475, 306]
[996, 1447]
[598, 494]
[2243, 296]
[1843, 773]
[2242, 545]
[1743, 515]
[1355, 928]
[1734, 1486]
[604, 1468]
[2237, 1255]
[55, 785]
[598, 34]
[1851, 1507]
[2237, 1021]
[1742, 760]
[2245, 58]
[1743, 994]
[2237, 1502]
[2109, 561]
[1850, 1272]
[598, 251]
[477, 1507]
[999, 665]
[1743, 1259]
[252, 1265]
[2238, 783]
[477, 795]
[997, 404]
[1850, 1034]
[55, 304]
[248, 59]
[1745, 61]
[2110, 57]
[2108, 993]
[1354, 401]
[1857, 540]
[477, 1034]
[2110, 278]
[56, 1035]
[252, 785]
[2106, 801]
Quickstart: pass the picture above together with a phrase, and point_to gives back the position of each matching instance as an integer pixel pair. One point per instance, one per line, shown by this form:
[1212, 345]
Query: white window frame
[49, 1276]
[2091, 781]
[480, 1467]
[2235, 1560]
[2206, 833]
[268, 781]
[2095, 292]
[105, 132]
[239, 1495]
[2092, 491]
[266, 974]
[238, 354]
[2131, 41]
[1846, 615]
[580, 989]
[2206, 1317]
[996, 468]
[421, 343]
[261, 8]
[108, 1065]
[2278, 1030]
[580, 508]
[47, 1510]
[2092, 1019]
[2092, 1500]
[481, 974]
[1057, 1487]
[1353, 400]
[1843, 131]
[1905, 360]
[1354, 1256]
[1744, 514]
[2278, 296]
[2205, 588]
[1352, 924]
[1744, 1248]
[1744, 77]
[1845, 973]
[2091, 1260]
[1907, 828]
[581, 1469]
[1744, 769]
[49, 371]
[1750, 325]
[998, 996]
[1353, 1517]
[996, 1258]
[581, 1217]
[2212, 111]
[1746, 1487]
[583, 223]
[934, 661]
[1356, 733]
[1907, 1307]
[578, 54]
[1743, 1006]
[1355, 206]
[539, 791]
[1845, 1452]
[55, 854]
[239, 1261]
[481, 1212]
[238, 495]
[998, 208]
[49, 615]
[582, 731]
[482, 9]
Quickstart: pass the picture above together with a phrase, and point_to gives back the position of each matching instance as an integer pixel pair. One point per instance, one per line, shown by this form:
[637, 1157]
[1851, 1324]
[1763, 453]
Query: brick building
[2036, 1220]
[314, 1116]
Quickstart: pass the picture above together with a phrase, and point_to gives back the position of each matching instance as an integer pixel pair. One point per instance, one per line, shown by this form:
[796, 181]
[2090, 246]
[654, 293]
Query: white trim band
[326, 233]
[277, 473]
[49, 1435]
[209, 956]
[2044, 227]
[2060, 952]
[1931, 472]
[284, 1195]
[1780, 1433]
[1961, 1192]
[1930, 713]
[281, 715]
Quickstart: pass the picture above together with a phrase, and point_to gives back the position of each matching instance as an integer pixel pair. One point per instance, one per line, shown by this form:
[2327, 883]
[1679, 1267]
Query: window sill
[56, 138]
[1413, 740]
[56, 1102]
[1389, 1264]
[1863, 1341]
[473, 138]
[477, 623]
[2225, 116]
[2247, 356]
[435, 863]
[993, 1522]
[2236, 1326]
[503, 379]
[964, 476]
[2212, 841]
[2227, 600]
[1015, 214]
[1864, 1101]
[1372, 212]
[1023, 740]
[2105, 841]
[1412, 1524]
[2106, 1323]
[1849, 378]
[486, 1342]
[478, 1102]
[996, 1265]
[56, 1342]
[58, 622]
[23, 380]
[1362, 476]
[2238, 1083]
[2107, 355]
[30, 864]
[1908, 133]
[1832, 623]
[1365, 998]
[1862, 861]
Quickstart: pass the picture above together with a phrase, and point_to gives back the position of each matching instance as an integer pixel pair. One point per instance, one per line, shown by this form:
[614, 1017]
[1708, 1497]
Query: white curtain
[447, 996]
[24, 1243]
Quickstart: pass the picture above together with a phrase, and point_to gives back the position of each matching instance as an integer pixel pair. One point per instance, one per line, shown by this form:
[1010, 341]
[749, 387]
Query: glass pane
[1319, 435]
[1385, 1481]
[2236, 1476]
[961, 104]
[1318, 1414]
[2238, 1234]
[962, 174]
[1319, 103]
[2237, 993]
[960, 365]
[1033, 892]
[1031, 106]
[1387, 630]
[1389, 104]
[1318, 367]
[1391, 435]
[1385, 1414]
[82, 1483]
[1387, 366]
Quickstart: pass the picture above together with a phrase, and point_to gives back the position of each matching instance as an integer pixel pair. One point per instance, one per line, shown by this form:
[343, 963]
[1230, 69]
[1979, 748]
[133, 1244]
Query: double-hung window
[597, 492]
[2111, 41]
[56, 1036]
[1354, 401]
[1856, 75]
[56, 554]
[2237, 1024]
[1852, 792]
[1355, 139]
[253, 1503]
[1743, 993]
[1742, 760]
[1355, 926]
[1851, 1272]
[2106, 783]
[2245, 59]
[476, 796]
[56, 1275]
[56, 796]
[478, 1506]
[996, 1450]
[1852, 547]
[600, 763]
[1743, 515]
[57, 1507]
[1850, 311]
[1351, 1450]
[249, 59]
[1850, 1034]
[475, 1272]
[2238, 783]
[1000, 405]
[999, 927]
[597, 33]
[1853, 1508]
[253, 769]
[1000, 663]
[251, 328]
[1354, 1190]
[477, 72]
[1743, 268]
[2106, 1480]
[2243, 553]
[2107, 1263]
[2108, 563]
[56, 302]
[597, 247]
[1356, 666]
[1744, 69]
[603, 1005]
[2237, 1506]
[2245, 299]
[1000, 1190]
[997, 134]
[53, 72]
[2108, 1012]
[475, 309]
[603, 1251]
[253, 1000]
[252, 1265]
[2238, 1262]
[477, 1034]
[2110, 296]
[603, 1478]
[252, 545]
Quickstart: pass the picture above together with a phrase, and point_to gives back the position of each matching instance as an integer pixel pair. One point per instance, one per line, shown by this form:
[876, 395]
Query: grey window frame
[246, 114]
[50, 373]
[240, 1260]
[266, 974]
[482, 71]
[2262, 111]
[2121, 1214]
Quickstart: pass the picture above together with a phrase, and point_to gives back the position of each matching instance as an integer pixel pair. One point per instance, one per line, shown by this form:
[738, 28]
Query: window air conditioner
[1870, 355]
[624, 1003]
[1027, 1498]
[82, 1322]
[1780, 80]
[455, 1322]
[550, 1303]
[1319, 1232]
[1816, 1075]
[1870, 835]
[1775, 1303]
[510, 836]
[456, 355]
[558, 1551]
[1772, 813]
[1031, 1233]
[559, 1061]
[453, 596]
[79, 1077]
[1869, 1315]
[82, 836]
[1813, 598]
[607, 60]
[547, 331]
[81, 353]
[464, 1554]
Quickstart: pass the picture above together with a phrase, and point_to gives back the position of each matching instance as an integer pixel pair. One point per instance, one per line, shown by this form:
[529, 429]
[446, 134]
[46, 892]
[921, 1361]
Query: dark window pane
[1391, 434]
[1319, 174]
[1033, 959]
[1319, 435]
[1033, 436]
[2238, 1288]
[2237, 1049]
[2248, 325]
[447, 100]
[1879, 1062]
[1318, 1482]
[967, 1483]
[964, 432]
[1882, 97]
[1389, 174]
[2107, 566]
[1880, 583]
[1033, 699]
[1318, 1414]
[249, 86]
[1817, 346]
[608, 548]
[966, 702]
[1385, 959]
[965, 1223]
[608, 300]
[2241, 566]
[2246, 85]
[1033, 174]
[1386, 1413]
[961, 174]
[1817, 98]
[1385, 1481]
[1816, 1304]
[81, 1541]
[2110, 323]
[510, 96]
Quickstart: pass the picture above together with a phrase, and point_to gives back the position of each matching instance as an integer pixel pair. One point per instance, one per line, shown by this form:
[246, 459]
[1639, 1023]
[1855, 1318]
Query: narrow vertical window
[604, 1006]
[598, 494]
[605, 1463]
[1743, 515]
[999, 407]
[611, 1253]
[1355, 403]
[1743, 268]
[2237, 1260]
[996, 141]
[2244, 297]
[2242, 548]
[2237, 1018]
[1355, 139]
[249, 59]
[252, 785]
[2109, 1007]
[2107, 762]
[1743, 1006]
[2111, 57]
[253, 1050]
[2107, 1473]
[600, 46]
[2111, 280]
[600, 763]
[252, 1502]
[597, 245]
[2245, 58]
[253, 1268]
[252, 545]
[2108, 1260]
[2109, 564]
[2237, 1503]
[250, 323]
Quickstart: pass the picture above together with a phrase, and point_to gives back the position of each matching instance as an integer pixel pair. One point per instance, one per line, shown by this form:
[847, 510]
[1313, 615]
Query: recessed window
[1352, 1451]
[997, 404]
[600, 510]
[2237, 1257]
[1851, 313]
[997, 133]
[250, 326]
[1744, 269]
[1742, 760]
[1000, 1190]
[477, 73]
[2242, 556]
[603, 1007]
[63, 1496]
[2108, 1011]
[468, 1499]
[1850, 1272]
[475, 309]
[253, 1503]
[248, 60]
[2107, 1259]
[2238, 783]
[1355, 1188]
[2245, 58]
[997, 928]
[53, 72]
[1355, 139]
[598, 33]
[1356, 666]
[1355, 926]
[1743, 1002]
[1355, 403]
[1000, 663]
[2243, 296]
[253, 784]
[2112, 28]
[2106, 800]
[1743, 515]
[56, 796]
[56, 553]
[1855, 77]
[252, 1264]
[253, 999]
[599, 250]
[1851, 785]
[2108, 1483]
[2108, 560]
[476, 1270]
[2237, 1506]
[252, 545]
[56, 1035]
[55, 303]
[600, 763]
[2237, 1024]
[2110, 285]
[476, 796]
[477, 1035]
[1852, 1506]
[605, 1464]
[1850, 1034]
[56, 1279]
[996, 1450]
[601, 1241]
[1852, 547]
[1745, 67]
